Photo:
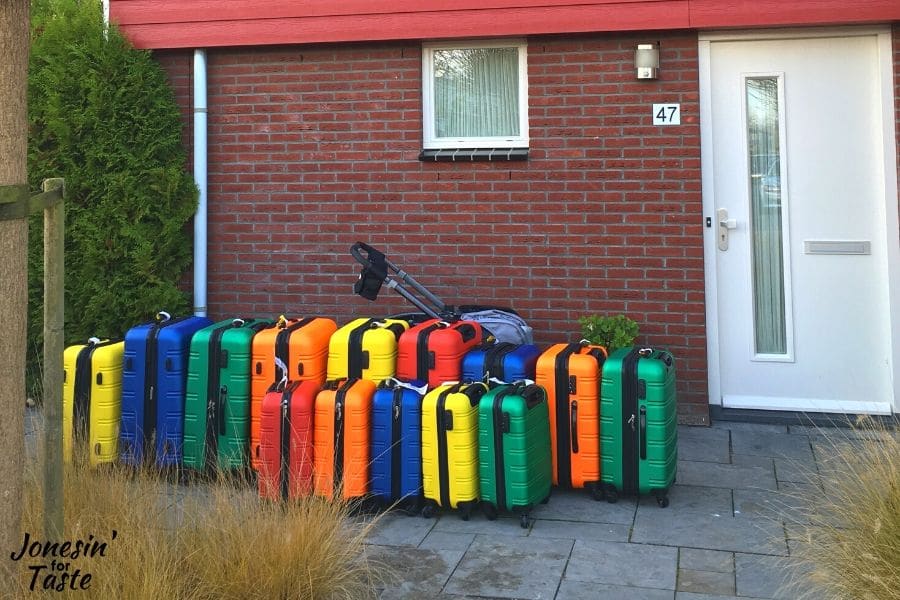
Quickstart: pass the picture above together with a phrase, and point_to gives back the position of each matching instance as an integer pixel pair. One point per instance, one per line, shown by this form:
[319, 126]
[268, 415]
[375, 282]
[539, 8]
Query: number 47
[670, 109]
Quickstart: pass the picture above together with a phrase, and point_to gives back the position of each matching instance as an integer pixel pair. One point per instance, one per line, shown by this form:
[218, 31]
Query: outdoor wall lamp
[646, 61]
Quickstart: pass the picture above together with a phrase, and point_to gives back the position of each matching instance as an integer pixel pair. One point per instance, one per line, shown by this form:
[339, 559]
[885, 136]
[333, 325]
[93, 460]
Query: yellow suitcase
[450, 447]
[92, 400]
[365, 349]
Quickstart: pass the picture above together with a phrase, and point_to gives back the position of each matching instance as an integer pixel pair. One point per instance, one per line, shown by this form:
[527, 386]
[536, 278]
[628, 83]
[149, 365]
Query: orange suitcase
[571, 375]
[341, 438]
[302, 345]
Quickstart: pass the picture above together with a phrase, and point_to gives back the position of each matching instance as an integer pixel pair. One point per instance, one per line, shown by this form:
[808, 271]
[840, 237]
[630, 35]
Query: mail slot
[837, 247]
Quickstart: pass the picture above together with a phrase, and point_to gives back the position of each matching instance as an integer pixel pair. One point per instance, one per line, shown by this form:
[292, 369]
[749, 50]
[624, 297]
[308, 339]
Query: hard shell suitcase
[92, 396]
[450, 447]
[396, 472]
[365, 349]
[341, 438]
[639, 427]
[433, 351]
[503, 361]
[302, 346]
[286, 440]
[153, 385]
[514, 449]
[571, 375]
[217, 400]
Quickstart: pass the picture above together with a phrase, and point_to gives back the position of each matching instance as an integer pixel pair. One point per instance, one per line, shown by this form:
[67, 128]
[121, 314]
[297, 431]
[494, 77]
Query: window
[475, 96]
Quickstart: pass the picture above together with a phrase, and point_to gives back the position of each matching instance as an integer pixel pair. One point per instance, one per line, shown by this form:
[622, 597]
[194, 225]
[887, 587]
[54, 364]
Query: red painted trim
[212, 23]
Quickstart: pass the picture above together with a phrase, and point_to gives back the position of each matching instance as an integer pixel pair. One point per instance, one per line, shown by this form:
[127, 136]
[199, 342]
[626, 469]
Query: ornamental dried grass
[849, 546]
[210, 540]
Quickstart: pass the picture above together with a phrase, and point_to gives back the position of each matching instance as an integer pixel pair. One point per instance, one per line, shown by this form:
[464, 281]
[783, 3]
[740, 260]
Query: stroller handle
[357, 249]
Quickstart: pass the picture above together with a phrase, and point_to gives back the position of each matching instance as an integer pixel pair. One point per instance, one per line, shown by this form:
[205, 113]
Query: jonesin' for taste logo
[59, 566]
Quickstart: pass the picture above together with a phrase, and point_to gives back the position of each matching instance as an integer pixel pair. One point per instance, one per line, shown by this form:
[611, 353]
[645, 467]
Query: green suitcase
[514, 459]
[217, 397]
[638, 424]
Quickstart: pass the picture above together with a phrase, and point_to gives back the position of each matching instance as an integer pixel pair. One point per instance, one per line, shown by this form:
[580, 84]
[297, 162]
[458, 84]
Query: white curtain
[766, 216]
[476, 92]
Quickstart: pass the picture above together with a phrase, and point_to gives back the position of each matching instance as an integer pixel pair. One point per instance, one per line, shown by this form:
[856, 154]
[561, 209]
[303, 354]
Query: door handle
[724, 225]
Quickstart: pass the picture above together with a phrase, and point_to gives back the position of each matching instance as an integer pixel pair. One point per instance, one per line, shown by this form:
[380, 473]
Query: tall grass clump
[204, 541]
[850, 536]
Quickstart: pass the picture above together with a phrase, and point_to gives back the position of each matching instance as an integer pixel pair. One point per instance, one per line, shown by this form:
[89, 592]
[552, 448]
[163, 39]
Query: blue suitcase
[396, 468]
[504, 361]
[153, 386]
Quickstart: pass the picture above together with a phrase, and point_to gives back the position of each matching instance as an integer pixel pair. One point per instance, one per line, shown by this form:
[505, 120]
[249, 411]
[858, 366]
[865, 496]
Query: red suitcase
[286, 440]
[433, 351]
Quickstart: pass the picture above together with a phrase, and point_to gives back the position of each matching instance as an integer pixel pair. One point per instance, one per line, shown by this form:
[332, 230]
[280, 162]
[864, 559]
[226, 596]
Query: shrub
[102, 116]
[850, 530]
[612, 332]
[207, 541]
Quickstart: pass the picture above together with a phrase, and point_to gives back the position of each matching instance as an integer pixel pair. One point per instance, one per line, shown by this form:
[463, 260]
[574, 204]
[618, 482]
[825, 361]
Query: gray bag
[504, 326]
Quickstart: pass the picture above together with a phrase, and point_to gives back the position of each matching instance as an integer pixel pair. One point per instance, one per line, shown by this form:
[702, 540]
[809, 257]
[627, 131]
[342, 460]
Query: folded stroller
[504, 324]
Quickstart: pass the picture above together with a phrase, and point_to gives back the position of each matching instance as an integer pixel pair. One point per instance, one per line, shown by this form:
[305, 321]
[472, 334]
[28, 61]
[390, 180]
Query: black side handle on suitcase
[573, 415]
[534, 395]
[643, 424]
[220, 409]
[466, 331]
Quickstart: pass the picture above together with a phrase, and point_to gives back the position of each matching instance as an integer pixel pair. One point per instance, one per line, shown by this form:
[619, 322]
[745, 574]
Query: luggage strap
[282, 346]
[340, 397]
[396, 441]
[443, 458]
[355, 360]
[501, 426]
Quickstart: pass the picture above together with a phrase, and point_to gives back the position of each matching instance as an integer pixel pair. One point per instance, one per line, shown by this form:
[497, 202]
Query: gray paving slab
[602, 562]
[749, 460]
[696, 530]
[577, 505]
[751, 427]
[776, 445]
[397, 529]
[479, 524]
[693, 596]
[703, 501]
[415, 573]
[706, 560]
[446, 540]
[705, 582]
[704, 444]
[725, 476]
[511, 567]
[584, 590]
[801, 471]
[785, 505]
[763, 576]
[575, 530]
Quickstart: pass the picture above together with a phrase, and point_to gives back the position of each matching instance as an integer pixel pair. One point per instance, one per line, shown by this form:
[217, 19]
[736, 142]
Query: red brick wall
[314, 148]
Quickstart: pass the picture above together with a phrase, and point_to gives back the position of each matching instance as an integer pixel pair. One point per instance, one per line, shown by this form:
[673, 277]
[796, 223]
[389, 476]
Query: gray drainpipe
[200, 177]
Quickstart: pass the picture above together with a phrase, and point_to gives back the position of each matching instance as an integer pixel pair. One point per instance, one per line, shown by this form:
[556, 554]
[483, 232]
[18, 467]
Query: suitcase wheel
[597, 492]
[524, 521]
[612, 495]
[428, 510]
[489, 510]
[662, 499]
[465, 512]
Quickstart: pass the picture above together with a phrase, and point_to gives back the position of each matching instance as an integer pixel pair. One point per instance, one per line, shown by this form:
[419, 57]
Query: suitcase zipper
[494, 358]
[151, 384]
[424, 359]
[396, 425]
[285, 450]
[442, 429]
[282, 348]
[563, 428]
[355, 349]
[340, 397]
[629, 414]
[214, 416]
[499, 430]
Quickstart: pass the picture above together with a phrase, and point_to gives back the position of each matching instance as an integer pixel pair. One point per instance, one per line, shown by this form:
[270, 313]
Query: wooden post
[54, 296]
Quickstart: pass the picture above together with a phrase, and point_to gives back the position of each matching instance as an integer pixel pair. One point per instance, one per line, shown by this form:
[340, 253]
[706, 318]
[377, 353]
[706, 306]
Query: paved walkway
[723, 536]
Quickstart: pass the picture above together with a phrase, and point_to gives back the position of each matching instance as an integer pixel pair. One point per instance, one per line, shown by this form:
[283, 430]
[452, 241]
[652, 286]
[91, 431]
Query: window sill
[473, 154]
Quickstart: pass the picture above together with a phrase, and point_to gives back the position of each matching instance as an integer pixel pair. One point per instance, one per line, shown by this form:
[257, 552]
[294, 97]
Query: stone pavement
[725, 535]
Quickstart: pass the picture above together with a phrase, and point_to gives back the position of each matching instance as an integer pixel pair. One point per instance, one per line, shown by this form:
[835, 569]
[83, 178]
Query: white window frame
[430, 142]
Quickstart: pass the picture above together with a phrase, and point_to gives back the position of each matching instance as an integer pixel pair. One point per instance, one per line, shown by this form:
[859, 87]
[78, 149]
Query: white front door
[798, 214]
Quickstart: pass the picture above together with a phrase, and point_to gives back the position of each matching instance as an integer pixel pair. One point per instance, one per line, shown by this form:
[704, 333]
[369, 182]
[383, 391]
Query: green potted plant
[613, 332]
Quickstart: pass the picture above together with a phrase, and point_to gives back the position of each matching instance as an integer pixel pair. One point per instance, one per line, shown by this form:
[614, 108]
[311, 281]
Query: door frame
[892, 220]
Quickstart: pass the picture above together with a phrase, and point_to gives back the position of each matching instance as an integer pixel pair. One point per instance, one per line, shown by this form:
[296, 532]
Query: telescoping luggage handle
[375, 273]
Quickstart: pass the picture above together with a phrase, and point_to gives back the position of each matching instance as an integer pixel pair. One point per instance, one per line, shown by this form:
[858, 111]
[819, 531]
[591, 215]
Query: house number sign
[667, 114]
